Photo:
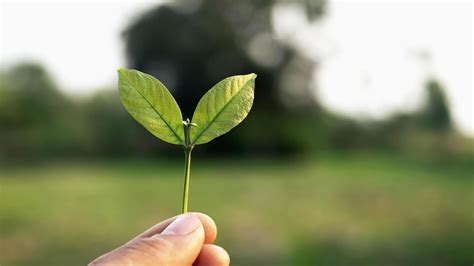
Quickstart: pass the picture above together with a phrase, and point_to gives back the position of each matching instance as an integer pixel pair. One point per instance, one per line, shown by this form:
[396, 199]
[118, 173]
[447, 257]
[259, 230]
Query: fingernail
[183, 225]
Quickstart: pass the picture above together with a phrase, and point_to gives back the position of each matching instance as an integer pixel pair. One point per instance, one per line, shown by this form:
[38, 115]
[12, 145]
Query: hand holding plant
[183, 240]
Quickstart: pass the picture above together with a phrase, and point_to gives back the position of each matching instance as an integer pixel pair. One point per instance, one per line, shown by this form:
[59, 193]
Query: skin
[184, 241]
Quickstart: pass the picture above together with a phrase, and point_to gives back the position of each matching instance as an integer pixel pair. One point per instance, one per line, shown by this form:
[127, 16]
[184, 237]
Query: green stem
[187, 172]
[187, 158]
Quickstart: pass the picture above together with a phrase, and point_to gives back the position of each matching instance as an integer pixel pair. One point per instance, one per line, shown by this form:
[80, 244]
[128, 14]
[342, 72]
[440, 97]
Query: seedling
[222, 108]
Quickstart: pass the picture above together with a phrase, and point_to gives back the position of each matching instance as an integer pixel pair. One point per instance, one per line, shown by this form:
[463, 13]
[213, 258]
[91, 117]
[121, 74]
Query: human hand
[182, 240]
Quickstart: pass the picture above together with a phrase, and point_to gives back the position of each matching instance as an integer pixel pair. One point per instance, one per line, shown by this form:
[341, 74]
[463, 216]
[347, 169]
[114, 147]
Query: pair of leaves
[222, 108]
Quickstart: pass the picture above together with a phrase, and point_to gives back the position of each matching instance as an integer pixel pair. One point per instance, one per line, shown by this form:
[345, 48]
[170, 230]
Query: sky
[374, 55]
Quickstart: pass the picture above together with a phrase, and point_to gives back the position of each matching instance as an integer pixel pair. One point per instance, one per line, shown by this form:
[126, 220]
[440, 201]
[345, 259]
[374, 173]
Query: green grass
[351, 210]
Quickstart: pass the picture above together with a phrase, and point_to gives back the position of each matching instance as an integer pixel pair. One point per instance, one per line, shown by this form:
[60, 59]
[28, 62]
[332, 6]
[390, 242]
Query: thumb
[184, 238]
[178, 244]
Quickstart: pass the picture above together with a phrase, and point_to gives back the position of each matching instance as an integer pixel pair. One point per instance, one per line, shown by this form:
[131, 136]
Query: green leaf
[151, 104]
[222, 108]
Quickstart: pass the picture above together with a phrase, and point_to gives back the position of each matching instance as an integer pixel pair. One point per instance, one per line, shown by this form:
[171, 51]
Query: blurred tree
[35, 118]
[31, 95]
[435, 112]
[190, 46]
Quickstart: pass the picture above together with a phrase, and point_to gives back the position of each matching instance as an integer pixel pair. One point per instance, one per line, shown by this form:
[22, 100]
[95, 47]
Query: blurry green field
[352, 210]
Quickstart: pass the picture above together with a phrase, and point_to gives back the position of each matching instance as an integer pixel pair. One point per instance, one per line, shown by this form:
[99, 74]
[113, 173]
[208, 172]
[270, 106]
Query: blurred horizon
[348, 80]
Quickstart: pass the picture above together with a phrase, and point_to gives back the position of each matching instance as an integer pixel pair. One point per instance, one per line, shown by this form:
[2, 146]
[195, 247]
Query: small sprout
[222, 108]
[188, 123]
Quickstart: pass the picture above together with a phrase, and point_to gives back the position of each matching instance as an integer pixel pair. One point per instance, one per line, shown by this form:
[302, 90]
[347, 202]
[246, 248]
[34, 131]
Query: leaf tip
[121, 70]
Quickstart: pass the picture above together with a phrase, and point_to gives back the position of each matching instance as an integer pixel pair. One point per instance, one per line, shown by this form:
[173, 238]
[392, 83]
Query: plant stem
[187, 172]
